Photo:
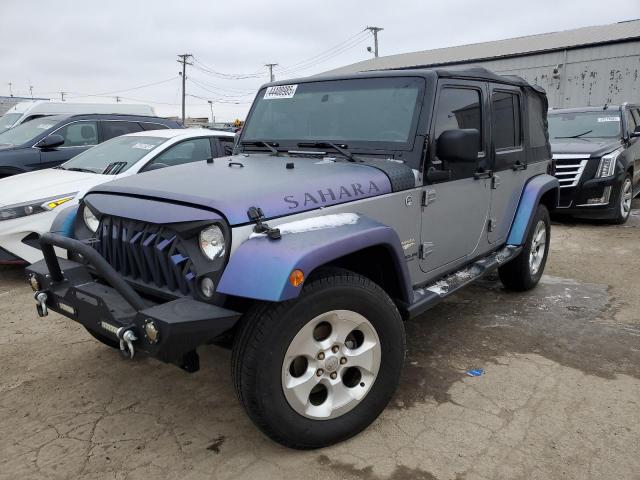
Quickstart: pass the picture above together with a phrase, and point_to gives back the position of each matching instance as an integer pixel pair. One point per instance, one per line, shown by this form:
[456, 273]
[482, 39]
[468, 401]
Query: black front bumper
[573, 201]
[109, 306]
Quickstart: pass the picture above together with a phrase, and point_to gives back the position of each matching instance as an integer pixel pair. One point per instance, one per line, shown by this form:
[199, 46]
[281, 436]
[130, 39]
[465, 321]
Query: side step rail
[427, 296]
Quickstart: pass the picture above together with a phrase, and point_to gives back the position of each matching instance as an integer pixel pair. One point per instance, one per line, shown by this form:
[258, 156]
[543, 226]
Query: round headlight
[212, 242]
[90, 220]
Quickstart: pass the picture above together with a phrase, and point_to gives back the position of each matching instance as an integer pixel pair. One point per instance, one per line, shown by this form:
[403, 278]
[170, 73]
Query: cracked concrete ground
[559, 397]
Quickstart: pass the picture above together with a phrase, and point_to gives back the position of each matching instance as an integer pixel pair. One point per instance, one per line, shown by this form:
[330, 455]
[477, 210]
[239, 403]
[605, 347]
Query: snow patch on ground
[314, 223]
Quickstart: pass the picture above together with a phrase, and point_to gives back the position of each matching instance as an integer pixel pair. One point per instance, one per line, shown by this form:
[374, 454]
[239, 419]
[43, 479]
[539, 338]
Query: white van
[25, 111]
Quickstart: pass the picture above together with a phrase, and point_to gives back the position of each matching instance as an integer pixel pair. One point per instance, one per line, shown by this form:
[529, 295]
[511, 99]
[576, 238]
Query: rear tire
[291, 382]
[524, 272]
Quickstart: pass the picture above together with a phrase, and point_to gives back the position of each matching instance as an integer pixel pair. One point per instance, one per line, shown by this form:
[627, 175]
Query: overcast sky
[89, 48]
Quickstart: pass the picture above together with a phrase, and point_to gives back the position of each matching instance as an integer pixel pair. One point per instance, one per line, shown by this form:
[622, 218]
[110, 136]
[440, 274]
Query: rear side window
[537, 121]
[115, 129]
[185, 152]
[153, 126]
[79, 134]
[505, 120]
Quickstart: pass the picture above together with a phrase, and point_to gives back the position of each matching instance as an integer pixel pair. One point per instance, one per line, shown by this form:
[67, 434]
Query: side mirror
[458, 145]
[52, 141]
[635, 133]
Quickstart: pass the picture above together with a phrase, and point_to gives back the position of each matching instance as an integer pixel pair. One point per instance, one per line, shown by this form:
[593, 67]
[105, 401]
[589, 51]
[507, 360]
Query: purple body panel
[533, 191]
[146, 210]
[260, 267]
[233, 184]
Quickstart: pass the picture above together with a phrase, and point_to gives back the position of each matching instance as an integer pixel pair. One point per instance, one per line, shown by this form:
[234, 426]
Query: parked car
[26, 111]
[597, 156]
[30, 202]
[47, 142]
[354, 201]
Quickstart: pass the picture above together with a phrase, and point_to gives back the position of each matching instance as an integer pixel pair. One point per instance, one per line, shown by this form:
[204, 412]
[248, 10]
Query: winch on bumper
[169, 331]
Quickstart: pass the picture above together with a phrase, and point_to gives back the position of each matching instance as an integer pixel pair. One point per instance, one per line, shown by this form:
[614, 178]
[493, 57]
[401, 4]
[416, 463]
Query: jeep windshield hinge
[255, 216]
[426, 249]
[428, 197]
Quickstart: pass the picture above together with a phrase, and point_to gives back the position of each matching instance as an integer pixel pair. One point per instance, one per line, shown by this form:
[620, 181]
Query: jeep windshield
[597, 124]
[113, 156]
[375, 112]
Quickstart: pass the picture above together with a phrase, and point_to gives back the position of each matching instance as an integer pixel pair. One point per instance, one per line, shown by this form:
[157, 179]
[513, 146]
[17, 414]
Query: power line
[104, 94]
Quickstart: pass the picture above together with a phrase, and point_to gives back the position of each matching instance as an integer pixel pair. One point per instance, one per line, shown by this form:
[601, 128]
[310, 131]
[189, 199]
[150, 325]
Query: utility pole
[270, 67]
[375, 31]
[213, 120]
[184, 61]
[10, 90]
[62, 96]
[117, 99]
[31, 91]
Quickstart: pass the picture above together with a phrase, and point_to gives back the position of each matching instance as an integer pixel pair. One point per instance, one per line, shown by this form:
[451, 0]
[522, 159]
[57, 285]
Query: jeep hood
[588, 146]
[231, 185]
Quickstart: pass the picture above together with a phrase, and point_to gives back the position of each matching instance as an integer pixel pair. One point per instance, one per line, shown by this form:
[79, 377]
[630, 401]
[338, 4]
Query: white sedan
[30, 202]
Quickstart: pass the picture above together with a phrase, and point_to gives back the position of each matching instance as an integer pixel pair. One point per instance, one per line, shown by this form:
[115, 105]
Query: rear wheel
[524, 272]
[624, 202]
[318, 370]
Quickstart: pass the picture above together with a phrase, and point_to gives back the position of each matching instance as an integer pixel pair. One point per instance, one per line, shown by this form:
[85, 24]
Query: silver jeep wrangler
[350, 204]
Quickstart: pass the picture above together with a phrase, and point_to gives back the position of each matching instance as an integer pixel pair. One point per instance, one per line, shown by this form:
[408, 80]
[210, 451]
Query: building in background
[586, 66]
[8, 102]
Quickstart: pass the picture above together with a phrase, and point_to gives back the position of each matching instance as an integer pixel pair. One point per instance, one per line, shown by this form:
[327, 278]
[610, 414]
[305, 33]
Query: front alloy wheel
[317, 370]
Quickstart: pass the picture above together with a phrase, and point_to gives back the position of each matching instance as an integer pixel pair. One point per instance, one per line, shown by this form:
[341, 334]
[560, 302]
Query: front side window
[185, 152]
[350, 111]
[79, 134]
[125, 151]
[505, 120]
[115, 129]
[597, 124]
[458, 108]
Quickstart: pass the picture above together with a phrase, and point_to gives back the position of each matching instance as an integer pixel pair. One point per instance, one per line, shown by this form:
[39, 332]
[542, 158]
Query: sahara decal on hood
[231, 185]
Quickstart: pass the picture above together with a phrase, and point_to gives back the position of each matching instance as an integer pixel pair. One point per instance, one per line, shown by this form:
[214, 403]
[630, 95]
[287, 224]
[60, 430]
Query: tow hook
[127, 337]
[41, 300]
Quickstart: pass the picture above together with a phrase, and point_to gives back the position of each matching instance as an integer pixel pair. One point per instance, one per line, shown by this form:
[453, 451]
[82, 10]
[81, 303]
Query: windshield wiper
[271, 146]
[578, 135]
[114, 168]
[342, 149]
[78, 169]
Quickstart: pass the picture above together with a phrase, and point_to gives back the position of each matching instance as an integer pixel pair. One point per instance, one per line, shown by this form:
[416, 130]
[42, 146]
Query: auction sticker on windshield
[608, 119]
[45, 126]
[143, 146]
[280, 91]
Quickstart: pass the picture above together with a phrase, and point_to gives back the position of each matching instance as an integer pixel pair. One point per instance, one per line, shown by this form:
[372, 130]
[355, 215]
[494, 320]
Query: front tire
[524, 272]
[623, 211]
[317, 370]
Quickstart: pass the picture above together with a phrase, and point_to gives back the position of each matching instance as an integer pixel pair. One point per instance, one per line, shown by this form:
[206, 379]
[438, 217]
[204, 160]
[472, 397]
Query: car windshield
[27, 131]
[119, 154]
[357, 110]
[8, 119]
[596, 124]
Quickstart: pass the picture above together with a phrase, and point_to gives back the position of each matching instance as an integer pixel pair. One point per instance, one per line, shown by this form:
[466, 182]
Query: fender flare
[64, 221]
[533, 191]
[260, 267]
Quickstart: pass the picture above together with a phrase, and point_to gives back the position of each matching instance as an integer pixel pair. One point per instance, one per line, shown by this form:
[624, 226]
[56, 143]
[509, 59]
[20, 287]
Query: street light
[211, 105]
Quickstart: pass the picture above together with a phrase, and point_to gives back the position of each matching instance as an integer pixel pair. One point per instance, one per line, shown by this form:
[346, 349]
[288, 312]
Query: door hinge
[495, 182]
[428, 197]
[491, 225]
[426, 249]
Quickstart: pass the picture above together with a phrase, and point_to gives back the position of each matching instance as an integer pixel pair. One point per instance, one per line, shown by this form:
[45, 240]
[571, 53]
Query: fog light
[207, 287]
[152, 332]
[35, 284]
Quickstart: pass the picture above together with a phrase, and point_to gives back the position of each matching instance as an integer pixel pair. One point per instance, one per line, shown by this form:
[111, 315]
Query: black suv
[597, 156]
[50, 141]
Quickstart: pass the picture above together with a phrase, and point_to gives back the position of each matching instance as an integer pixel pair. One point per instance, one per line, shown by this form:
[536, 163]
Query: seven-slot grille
[569, 169]
[146, 252]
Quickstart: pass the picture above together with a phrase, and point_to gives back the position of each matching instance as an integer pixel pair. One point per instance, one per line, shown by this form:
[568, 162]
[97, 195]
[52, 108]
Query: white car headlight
[212, 242]
[35, 206]
[90, 220]
[607, 165]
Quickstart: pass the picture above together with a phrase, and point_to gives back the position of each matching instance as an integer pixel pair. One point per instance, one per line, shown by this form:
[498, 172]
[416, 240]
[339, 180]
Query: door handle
[482, 174]
[519, 166]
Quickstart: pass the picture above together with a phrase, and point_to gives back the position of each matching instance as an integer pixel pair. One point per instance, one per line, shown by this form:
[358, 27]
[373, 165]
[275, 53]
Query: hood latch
[255, 216]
